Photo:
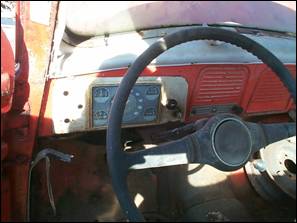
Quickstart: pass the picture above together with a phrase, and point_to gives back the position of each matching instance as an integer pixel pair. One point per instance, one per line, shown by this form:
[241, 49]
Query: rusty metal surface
[5, 200]
[7, 74]
[82, 189]
[30, 83]
[275, 179]
[7, 90]
[280, 161]
[32, 52]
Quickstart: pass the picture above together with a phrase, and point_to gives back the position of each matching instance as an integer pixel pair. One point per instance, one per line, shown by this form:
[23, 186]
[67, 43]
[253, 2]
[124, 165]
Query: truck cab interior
[150, 111]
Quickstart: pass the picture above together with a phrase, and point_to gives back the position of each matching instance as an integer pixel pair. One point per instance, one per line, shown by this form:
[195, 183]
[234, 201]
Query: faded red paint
[193, 73]
[7, 74]
[32, 94]
[239, 182]
[7, 89]
[5, 200]
[33, 45]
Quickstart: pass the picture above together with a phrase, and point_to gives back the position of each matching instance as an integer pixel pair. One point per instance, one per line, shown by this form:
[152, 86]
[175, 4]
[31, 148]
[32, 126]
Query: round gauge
[150, 114]
[100, 115]
[152, 92]
[101, 95]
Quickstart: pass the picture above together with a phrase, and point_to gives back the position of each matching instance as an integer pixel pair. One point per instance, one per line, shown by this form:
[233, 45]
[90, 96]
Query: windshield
[88, 18]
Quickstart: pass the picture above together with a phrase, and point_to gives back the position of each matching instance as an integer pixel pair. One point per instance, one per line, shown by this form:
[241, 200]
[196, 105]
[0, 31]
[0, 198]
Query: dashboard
[82, 103]
[142, 105]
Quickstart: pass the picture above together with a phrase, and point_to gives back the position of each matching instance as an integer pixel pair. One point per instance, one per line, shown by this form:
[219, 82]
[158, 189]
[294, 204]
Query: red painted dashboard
[253, 87]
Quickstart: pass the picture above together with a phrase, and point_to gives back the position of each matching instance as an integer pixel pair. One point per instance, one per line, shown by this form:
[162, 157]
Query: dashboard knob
[171, 104]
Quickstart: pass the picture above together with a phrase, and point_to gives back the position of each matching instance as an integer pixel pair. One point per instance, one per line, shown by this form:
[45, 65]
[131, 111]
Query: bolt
[259, 165]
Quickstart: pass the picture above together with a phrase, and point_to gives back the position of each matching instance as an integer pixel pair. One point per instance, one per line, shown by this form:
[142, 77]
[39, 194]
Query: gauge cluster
[142, 105]
[83, 104]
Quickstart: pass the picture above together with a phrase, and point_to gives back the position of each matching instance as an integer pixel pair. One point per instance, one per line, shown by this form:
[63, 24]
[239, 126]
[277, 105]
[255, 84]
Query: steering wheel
[225, 142]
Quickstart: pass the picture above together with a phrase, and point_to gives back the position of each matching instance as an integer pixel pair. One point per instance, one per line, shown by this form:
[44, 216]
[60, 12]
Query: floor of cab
[83, 192]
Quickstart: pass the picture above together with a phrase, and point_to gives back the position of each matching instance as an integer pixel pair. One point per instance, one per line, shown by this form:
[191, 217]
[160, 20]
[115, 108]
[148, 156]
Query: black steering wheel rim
[115, 155]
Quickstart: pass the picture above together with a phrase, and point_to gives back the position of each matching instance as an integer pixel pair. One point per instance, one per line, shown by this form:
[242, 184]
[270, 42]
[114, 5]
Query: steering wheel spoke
[181, 151]
[266, 134]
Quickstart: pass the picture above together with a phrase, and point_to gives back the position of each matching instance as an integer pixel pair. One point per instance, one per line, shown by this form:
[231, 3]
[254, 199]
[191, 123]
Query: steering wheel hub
[231, 143]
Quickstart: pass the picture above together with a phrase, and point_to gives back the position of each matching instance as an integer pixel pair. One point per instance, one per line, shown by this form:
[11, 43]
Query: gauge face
[100, 118]
[101, 95]
[152, 92]
[100, 115]
[150, 114]
[141, 106]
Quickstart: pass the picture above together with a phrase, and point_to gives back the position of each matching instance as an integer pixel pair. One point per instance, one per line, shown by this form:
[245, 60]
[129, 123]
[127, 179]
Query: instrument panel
[70, 100]
[83, 103]
[142, 105]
